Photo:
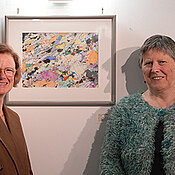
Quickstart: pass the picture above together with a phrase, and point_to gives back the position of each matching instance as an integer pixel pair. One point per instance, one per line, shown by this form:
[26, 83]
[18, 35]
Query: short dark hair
[160, 43]
[5, 49]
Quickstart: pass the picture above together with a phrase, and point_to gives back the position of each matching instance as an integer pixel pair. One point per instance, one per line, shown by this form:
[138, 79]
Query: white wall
[66, 140]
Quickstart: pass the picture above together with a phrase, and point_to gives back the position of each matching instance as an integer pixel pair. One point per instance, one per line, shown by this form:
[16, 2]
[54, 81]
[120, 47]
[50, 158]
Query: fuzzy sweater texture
[129, 143]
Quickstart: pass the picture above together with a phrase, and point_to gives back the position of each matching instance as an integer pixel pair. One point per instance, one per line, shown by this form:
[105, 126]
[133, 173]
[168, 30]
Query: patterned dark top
[129, 143]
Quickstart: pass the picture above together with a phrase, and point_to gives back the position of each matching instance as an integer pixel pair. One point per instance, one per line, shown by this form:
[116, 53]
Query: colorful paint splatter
[60, 60]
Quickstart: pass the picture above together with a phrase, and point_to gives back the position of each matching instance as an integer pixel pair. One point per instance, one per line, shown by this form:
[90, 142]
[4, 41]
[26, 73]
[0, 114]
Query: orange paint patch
[23, 66]
[93, 57]
[54, 38]
[65, 78]
[30, 48]
[40, 83]
[50, 84]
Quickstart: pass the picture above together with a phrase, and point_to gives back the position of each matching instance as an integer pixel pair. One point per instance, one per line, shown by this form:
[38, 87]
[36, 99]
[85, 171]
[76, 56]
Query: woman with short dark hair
[140, 135]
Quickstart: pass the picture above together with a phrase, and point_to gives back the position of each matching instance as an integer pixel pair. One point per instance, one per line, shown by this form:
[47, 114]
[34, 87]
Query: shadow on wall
[134, 84]
[75, 163]
[92, 166]
[133, 74]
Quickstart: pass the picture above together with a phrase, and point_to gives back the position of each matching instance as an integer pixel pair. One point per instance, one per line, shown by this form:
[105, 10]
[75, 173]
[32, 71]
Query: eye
[163, 61]
[148, 63]
[9, 71]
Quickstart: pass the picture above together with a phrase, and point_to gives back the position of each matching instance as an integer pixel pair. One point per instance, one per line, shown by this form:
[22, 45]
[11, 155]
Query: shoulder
[129, 102]
[131, 99]
[129, 107]
[11, 113]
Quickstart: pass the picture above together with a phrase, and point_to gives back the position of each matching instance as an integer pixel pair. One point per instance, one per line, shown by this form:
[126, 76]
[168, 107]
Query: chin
[158, 88]
[3, 92]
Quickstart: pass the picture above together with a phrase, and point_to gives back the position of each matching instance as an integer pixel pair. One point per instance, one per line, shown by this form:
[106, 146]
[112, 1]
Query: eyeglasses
[9, 72]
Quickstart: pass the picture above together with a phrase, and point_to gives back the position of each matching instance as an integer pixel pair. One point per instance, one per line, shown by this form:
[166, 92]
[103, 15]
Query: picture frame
[66, 60]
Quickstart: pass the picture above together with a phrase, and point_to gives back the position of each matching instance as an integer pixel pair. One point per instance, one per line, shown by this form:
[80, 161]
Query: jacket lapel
[6, 136]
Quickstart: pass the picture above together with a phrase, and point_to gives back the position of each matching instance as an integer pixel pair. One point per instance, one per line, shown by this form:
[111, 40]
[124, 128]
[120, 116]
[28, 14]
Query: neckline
[153, 107]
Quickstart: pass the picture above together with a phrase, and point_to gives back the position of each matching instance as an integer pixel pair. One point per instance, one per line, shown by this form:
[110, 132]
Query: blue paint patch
[51, 57]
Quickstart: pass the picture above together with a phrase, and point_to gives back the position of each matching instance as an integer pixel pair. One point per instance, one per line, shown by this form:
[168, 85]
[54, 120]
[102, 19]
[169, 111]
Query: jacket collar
[6, 134]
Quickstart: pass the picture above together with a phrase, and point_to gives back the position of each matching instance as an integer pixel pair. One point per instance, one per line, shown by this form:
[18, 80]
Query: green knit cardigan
[129, 141]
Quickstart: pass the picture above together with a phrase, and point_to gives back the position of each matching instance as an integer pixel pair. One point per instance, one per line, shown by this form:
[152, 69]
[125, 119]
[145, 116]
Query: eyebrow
[9, 67]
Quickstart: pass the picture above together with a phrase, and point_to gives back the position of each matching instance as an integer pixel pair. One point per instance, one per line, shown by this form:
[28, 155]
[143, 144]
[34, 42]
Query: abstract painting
[60, 60]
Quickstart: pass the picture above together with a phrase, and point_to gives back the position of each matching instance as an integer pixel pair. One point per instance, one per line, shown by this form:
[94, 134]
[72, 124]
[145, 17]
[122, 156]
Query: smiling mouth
[2, 84]
[157, 78]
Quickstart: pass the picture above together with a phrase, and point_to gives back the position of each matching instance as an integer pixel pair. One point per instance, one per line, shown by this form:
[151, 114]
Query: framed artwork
[68, 60]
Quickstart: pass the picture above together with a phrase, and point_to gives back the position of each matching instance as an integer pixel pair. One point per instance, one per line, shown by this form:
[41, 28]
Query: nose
[2, 74]
[155, 67]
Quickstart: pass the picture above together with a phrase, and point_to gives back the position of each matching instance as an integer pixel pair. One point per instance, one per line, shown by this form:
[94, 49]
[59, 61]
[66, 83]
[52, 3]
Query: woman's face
[158, 70]
[7, 71]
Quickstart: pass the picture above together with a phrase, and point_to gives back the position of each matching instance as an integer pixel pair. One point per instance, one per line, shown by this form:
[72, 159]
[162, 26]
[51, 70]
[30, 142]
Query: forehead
[156, 54]
[6, 60]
